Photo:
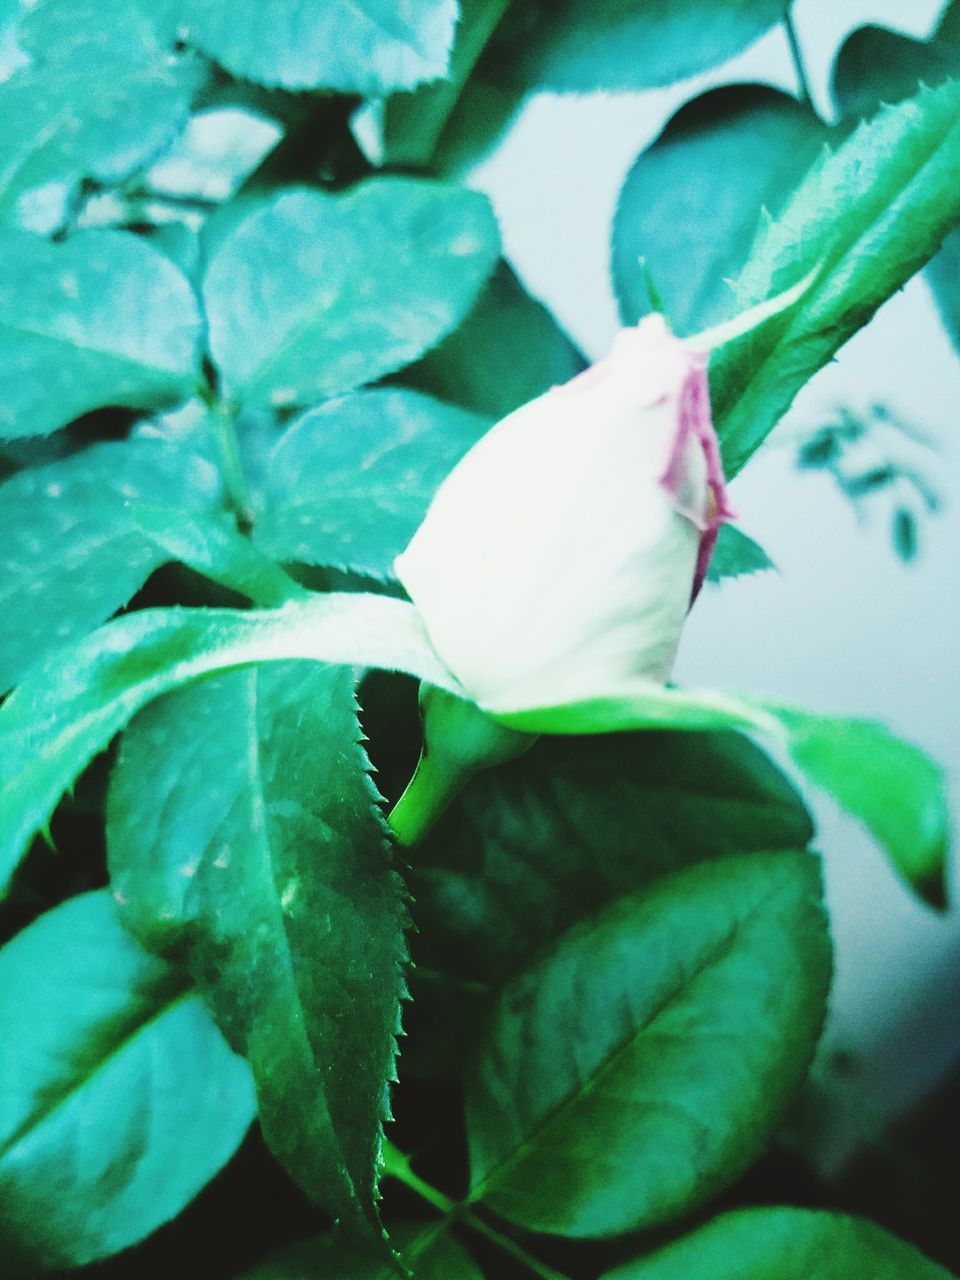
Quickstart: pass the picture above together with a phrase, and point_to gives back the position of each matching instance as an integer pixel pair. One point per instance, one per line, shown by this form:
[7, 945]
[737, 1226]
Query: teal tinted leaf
[313, 294]
[412, 123]
[735, 555]
[526, 852]
[63, 123]
[943, 273]
[71, 552]
[875, 66]
[349, 483]
[893, 787]
[210, 544]
[119, 1099]
[691, 205]
[783, 1244]
[647, 1059]
[74, 701]
[245, 833]
[617, 44]
[868, 215]
[101, 319]
[368, 47]
[507, 351]
[431, 1252]
[95, 32]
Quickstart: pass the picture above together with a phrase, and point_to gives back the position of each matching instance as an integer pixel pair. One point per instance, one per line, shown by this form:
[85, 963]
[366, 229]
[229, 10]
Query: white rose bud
[559, 558]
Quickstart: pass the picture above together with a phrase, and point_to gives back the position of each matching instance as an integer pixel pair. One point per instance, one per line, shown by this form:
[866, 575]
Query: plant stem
[428, 793]
[223, 428]
[509, 1246]
[796, 55]
[397, 1165]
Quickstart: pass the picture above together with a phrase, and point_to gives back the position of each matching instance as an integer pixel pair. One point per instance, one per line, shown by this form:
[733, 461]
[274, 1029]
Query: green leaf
[96, 32]
[119, 1099]
[61, 123]
[527, 851]
[211, 545]
[349, 483]
[368, 47]
[244, 833]
[431, 1249]
[948, 30]
[736, 555]
[783, 1244]
[691, 205]
[313, 294]
[618, 44]
[507, 351]
[943, 273]
[71, 551]
[645, 1061]
[74, 701]
[413, 123]
[894, 788]
[101, 319]
[876, 65]
[869, 216]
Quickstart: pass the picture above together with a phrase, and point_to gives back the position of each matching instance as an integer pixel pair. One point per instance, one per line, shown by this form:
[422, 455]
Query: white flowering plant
[375, 903]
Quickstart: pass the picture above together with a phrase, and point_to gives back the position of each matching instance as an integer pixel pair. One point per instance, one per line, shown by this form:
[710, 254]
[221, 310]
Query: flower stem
[796, 54]
[430, 790]
[223, 429]
[397, 1165]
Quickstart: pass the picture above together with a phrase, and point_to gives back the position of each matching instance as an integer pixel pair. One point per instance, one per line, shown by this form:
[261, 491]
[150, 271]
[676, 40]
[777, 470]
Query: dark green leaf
[691, 205]
[119, 1099]
[413, 123]
[876, 66]
[869, 216]
[618, 44]
[507, 351]
[101, 319]
[71, 552]
[244, 832]
[75, 700]
[367, 47]
[349, 483]
[735, 555]
[784, 1244]
[948, 31]
[313, 294]
[431, 1252]
[647, 1059]
[574, 824]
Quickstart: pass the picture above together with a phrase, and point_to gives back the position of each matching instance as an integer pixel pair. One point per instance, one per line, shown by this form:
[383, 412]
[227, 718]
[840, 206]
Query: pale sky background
[844, 627]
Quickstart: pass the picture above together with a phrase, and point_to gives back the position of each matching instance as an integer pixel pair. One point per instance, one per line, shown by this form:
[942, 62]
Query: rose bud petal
[559, 558]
